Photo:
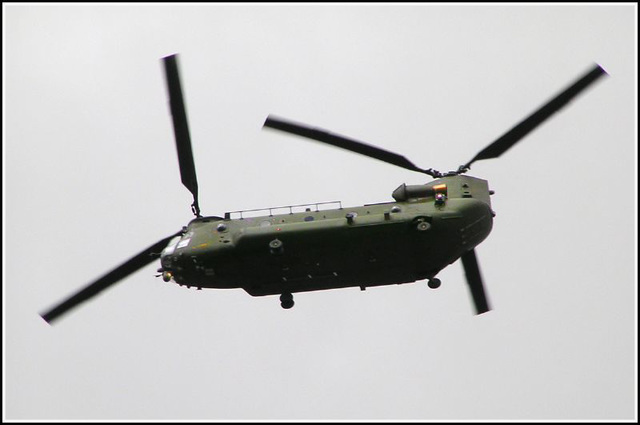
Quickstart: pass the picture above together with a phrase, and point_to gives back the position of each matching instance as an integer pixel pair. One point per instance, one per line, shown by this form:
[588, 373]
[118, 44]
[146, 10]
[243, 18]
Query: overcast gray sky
[91, 178]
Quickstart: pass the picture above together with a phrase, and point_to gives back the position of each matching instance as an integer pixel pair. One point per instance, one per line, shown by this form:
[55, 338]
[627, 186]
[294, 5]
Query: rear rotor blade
[115, 275]
[511, 137]
[181, 130]
[344, 143]
[474, 279]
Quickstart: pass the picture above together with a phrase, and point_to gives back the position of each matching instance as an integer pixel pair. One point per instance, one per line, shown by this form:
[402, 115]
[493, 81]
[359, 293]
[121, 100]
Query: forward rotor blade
[472, 271]
[181, 130]
[115, 275]
[511, 137]
[343, 142]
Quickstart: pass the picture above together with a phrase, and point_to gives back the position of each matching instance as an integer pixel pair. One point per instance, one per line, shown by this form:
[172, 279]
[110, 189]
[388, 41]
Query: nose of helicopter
[170, 260]
[186, 257]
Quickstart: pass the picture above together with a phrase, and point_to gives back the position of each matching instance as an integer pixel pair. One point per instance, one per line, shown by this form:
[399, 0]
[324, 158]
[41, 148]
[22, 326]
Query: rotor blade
[181, 130]
[343, 142]
[472, 271]
[115, 275]
[511, 137]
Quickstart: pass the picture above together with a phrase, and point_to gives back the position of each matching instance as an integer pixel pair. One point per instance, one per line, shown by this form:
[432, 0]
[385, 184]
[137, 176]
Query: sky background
[91, 178]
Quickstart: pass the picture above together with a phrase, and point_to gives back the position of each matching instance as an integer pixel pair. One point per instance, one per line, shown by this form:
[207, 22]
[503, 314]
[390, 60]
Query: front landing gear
[286, 300]
[434, 283]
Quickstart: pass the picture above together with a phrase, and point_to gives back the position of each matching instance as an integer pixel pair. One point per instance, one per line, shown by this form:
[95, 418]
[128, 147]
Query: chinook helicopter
[300, 248]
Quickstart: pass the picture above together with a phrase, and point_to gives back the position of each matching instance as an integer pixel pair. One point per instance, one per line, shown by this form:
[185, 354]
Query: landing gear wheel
[434, 283]
[286, 300]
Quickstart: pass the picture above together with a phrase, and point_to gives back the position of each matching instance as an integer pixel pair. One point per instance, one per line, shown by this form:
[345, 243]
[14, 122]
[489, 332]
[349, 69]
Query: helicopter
[321, 246]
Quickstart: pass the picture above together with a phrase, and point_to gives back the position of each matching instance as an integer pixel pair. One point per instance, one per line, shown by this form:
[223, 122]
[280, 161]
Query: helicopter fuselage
[429, 227]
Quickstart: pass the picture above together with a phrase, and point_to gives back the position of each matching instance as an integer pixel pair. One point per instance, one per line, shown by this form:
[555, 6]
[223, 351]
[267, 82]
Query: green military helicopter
[298, 248]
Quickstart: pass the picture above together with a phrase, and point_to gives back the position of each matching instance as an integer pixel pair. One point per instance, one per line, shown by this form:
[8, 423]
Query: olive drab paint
[371, 245]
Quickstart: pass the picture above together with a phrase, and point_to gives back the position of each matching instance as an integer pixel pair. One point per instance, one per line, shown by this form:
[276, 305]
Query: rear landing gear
[434, 283]
[286, 300]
